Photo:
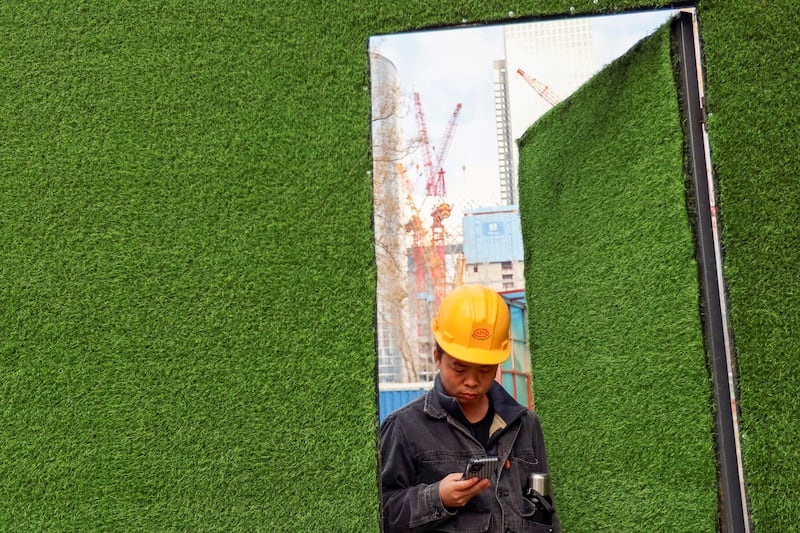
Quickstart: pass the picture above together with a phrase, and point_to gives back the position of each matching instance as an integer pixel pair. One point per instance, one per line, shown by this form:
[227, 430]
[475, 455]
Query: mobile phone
[481, 468]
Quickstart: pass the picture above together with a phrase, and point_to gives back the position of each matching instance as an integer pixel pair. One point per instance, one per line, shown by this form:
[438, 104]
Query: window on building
[506, 265]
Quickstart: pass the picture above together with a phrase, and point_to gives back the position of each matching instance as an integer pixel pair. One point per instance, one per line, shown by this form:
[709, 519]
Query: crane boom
[434, 172]
[448, 137]
[436, 251]
[543, 90]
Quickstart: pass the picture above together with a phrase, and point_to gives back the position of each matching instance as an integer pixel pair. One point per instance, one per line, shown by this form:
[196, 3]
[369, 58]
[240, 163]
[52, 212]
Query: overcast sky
[456, 66]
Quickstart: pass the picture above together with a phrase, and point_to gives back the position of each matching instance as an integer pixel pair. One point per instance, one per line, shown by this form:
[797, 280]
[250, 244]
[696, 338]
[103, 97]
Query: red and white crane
[434, 172]
[543, 90]
[435, 188]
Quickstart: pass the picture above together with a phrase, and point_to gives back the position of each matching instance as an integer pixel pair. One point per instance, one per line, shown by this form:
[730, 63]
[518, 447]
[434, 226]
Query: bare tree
[389, 107]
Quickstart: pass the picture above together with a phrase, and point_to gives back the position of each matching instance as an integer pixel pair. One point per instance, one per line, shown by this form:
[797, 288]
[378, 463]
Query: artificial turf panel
[754, 127]
[181, 265]
[618, 361]
[186, 268]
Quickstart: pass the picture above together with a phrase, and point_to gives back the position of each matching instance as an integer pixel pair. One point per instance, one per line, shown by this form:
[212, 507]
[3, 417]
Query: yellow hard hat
[472, 325]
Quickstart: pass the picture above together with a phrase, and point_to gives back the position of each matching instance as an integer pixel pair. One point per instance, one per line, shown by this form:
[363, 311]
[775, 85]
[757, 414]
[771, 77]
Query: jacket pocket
[535, 527]
[436, 464]
[522, 465]
[531, 518]
[467, 522]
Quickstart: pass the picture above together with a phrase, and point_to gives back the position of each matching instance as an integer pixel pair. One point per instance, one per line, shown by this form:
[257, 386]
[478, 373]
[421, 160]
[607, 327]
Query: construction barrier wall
[187, 279]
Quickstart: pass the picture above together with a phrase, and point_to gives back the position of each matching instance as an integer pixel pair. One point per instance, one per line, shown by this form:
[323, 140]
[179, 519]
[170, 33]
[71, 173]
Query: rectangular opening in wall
[447, 108]
[452, 108]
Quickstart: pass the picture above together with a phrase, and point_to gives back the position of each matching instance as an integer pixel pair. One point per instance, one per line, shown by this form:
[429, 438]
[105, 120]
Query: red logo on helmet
[481, 334]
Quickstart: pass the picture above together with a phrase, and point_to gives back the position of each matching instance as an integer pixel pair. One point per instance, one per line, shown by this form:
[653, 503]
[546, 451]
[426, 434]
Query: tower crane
[420, 244]
[435, 188]
[424, 262]
[543, 90]
[435, 184]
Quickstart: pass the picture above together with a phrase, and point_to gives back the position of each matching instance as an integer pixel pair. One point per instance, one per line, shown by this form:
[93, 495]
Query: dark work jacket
[428, 439]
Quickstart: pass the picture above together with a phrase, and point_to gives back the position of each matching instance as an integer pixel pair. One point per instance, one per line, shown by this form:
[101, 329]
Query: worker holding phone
[463, 456]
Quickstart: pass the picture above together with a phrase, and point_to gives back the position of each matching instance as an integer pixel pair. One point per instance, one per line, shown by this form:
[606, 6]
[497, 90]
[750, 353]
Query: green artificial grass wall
[754, 127]
[187, 294]
[619, 367]
[187, 285]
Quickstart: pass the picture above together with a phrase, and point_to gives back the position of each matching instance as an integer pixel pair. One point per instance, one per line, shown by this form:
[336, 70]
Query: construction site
[428, 240]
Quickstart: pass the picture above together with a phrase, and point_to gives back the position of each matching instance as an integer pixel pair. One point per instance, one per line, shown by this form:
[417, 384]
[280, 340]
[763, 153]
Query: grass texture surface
[754, 127]
[619, 367]
[187, 282]
[186, 339]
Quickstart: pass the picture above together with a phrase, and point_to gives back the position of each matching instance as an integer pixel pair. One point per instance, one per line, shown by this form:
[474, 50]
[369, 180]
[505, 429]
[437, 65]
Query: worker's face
[466, 382]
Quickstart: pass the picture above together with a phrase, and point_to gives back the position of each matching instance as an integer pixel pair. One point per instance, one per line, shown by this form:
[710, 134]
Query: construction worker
[426, 445]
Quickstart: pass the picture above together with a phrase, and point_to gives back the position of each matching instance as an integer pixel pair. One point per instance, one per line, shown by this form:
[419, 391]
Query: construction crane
[420, 245]
[424, 262]
[436, 189]
[434, 172]
[543, 90]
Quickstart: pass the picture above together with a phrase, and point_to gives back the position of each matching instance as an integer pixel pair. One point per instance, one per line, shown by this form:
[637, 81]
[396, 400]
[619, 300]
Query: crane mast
[422, 128]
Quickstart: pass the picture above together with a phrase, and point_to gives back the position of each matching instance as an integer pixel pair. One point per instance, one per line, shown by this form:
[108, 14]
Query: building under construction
[493, 251]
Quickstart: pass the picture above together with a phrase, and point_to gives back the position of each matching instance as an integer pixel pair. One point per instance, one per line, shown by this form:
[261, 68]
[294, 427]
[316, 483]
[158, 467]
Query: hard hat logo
[481, 334]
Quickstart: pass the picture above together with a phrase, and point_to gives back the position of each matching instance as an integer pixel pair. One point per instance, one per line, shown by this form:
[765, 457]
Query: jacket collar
[438, 404]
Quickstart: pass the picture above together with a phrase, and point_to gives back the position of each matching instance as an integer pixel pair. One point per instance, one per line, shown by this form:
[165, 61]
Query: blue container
[393, 396]
[516, 370]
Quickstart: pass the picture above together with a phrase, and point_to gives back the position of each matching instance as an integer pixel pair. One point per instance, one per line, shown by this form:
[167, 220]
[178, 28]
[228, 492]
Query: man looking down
[426, 445]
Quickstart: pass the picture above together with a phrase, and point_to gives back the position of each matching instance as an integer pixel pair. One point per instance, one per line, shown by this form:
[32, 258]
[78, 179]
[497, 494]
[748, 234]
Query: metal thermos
[539, 493]
[540, 482]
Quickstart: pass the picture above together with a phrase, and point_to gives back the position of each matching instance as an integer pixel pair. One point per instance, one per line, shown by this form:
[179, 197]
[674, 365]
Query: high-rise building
[504, 140]
[559, 55]
[389, 217]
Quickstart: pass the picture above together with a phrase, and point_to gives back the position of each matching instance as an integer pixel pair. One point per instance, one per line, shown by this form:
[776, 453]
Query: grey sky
[453, 66]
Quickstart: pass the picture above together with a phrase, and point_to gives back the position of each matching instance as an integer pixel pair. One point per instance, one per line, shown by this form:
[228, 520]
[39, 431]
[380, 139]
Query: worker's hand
[456, 492]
